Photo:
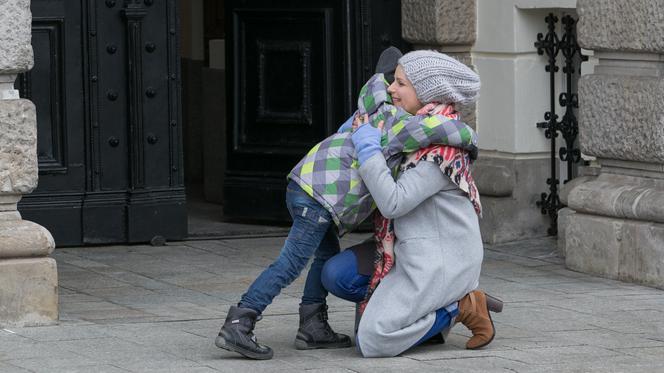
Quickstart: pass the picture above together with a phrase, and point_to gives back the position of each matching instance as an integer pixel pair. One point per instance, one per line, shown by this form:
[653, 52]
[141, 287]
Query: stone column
[28, 277]
[615, 222]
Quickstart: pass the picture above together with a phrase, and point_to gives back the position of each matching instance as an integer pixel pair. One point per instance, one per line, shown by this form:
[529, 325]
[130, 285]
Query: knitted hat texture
[438, 77]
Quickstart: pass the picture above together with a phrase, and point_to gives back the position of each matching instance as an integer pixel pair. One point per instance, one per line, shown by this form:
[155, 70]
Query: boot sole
[304, 345]
[222, 343]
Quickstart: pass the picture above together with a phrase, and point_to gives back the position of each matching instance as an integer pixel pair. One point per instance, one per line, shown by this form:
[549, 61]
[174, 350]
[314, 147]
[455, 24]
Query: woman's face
[403, 93]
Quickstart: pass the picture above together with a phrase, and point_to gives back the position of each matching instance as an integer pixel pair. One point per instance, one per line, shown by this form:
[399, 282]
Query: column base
[28, 292]
[23, 239]
[509, 190]
[616, 248]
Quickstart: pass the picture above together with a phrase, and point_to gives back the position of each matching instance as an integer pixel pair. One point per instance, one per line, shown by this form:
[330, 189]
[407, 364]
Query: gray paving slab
[9, 368]
[96, 368]
[63, 332]
[157, 309]
[65, 361]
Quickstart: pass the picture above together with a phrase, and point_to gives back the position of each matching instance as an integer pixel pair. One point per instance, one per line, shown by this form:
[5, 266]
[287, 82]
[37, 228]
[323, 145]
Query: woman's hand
[348, 124]
[366, 138]
[357, 121]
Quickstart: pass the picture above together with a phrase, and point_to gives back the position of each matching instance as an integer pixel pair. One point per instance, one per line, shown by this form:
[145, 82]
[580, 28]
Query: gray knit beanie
[438, 77]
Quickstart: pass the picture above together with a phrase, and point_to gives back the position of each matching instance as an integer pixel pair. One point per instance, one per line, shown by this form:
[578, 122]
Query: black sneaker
[315, 332]
[237, 334]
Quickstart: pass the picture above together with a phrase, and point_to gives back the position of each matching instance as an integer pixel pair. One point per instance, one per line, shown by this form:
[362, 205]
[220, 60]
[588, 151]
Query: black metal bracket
[552, 45]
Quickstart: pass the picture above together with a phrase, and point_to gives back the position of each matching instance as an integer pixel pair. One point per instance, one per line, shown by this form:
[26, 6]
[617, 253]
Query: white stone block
[533, 99]
[507, 27]
[514, 97]
[496, 107]
[541, 4]
[18, 147]
[495, 26]
[15, 36]
[28, 292]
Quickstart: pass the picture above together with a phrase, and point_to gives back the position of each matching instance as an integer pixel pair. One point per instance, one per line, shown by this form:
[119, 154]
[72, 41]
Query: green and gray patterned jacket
[329, 172]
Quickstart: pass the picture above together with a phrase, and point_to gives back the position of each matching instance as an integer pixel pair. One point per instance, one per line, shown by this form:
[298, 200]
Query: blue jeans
[313, 234]
[341, 278]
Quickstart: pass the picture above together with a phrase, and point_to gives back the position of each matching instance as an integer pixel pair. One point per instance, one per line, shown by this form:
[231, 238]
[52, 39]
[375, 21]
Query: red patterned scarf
[454, 162]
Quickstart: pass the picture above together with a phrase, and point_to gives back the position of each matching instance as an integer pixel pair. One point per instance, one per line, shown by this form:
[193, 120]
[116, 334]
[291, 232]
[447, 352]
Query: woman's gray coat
[438, 254]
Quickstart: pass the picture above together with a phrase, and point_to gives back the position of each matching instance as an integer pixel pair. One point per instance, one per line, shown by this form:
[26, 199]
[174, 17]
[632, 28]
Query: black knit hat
[387, 62]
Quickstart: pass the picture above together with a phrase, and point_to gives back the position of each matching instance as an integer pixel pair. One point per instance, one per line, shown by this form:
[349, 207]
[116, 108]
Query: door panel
[47, 82]
[108, 56]
[55, 85]
[106, 88]
[284, 60]
[295, 68]
[287, 71]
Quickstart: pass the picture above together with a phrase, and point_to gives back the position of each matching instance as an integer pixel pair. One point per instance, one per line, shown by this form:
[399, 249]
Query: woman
[433, 206]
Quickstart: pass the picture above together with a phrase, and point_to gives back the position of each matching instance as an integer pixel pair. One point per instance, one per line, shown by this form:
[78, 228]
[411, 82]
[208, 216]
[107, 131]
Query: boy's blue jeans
[313, 234]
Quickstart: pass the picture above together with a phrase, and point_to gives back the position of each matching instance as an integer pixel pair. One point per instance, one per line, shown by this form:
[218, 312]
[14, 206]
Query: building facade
[261, 83]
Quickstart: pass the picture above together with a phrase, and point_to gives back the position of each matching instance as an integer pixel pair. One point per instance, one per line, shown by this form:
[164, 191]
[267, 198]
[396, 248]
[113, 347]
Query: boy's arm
[419, 131]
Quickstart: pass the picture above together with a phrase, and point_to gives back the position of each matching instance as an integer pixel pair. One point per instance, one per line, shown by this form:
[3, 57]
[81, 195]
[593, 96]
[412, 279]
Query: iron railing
[552, 45]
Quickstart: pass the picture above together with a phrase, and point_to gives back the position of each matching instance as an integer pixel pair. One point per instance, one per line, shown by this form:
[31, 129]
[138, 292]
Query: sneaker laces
[323, 318]
[322, 314]
[251, 334]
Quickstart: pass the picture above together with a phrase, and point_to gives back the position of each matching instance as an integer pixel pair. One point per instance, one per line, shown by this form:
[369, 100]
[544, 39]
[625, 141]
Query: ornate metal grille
[552, 45]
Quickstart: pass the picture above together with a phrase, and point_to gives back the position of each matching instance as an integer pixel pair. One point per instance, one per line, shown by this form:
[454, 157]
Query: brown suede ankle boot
[474, 314]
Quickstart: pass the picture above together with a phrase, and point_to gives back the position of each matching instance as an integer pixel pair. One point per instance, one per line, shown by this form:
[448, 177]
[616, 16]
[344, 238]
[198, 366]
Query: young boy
[327, 198]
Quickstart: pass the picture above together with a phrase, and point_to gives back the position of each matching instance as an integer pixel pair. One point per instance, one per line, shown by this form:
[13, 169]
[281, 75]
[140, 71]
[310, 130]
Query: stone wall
[623, 25]
[15, 36]
[439, 22]
[632, 104]
[614, 226]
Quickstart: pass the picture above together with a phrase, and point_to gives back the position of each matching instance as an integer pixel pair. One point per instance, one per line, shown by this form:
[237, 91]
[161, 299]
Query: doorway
[263, 82]
[203, 64]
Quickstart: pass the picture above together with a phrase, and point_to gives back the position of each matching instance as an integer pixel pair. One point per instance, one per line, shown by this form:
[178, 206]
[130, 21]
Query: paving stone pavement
[158, 309]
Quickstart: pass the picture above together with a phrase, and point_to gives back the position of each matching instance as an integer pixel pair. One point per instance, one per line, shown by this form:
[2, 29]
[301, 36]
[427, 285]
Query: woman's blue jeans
[313, 234]
[341, 277]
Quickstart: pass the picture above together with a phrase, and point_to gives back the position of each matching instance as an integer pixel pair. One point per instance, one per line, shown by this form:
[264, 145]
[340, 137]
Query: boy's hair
[438, 77]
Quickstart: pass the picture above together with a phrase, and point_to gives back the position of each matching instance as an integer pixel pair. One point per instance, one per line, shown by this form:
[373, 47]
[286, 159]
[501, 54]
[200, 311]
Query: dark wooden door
[105, 84]
[295, 68]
